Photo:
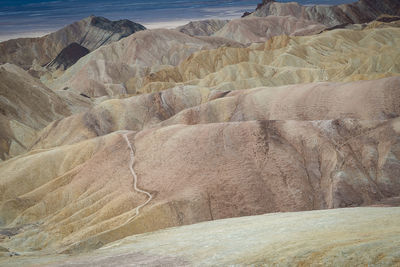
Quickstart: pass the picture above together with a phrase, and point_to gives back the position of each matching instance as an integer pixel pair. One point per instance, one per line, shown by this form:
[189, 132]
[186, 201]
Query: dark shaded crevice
[209, 206]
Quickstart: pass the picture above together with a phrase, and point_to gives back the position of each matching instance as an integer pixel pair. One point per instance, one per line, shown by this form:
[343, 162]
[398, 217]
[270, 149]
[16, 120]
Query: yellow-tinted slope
[339, 55]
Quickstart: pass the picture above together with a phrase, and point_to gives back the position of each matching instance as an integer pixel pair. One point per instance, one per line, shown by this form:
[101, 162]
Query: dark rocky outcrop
[68, 56]
[124, 26]
[388, 19]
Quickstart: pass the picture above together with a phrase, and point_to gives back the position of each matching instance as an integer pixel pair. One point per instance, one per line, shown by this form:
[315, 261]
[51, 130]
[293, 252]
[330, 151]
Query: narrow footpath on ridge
[135, 178]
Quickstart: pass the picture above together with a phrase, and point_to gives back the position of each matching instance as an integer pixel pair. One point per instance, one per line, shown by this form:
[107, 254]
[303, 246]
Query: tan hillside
[361, 236]
[339, 55]
[26, 106]
[193, 174]
[148, 65]
[133, 113]
[366, 100]
[291, 120]
[105, 71]
[202, 27]
[256, 29]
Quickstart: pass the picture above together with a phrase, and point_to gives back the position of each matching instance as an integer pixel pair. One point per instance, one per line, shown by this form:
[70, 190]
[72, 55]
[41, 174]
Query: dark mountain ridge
[362, 11]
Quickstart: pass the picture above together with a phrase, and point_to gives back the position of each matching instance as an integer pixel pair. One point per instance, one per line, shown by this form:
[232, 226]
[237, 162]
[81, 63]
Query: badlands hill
[253, 30]
[204, 171]
[358, 12]
[163, 129]
[248, 241]
[198, 105]
[107, 70]
[149, 65]
[26, 106]
[91, 33]
[203, 27]
[340, 55]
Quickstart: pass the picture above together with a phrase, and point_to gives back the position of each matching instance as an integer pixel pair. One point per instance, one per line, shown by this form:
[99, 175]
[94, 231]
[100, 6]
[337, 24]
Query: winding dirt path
[135, 178]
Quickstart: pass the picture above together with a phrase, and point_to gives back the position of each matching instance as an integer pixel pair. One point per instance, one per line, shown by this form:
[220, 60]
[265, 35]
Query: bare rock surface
[203, 27]
[161, 59]
[107, 70]
[26, 106]
[133, 113]
[366, 100]
[256, 29]
[362, 11]
[361, 236]
[338, 55]
[68, 57]
[194, 173]
[291, 148]
[164, 129]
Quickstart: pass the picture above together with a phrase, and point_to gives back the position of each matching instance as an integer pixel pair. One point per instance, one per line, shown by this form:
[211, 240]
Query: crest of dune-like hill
[358, 12]
[255, 29]
[91, 33]
[203, 27]
[197, 105]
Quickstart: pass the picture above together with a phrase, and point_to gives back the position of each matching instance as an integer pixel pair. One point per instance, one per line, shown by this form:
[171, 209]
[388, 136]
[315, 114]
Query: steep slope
[68, 57]
[193, 173]
[361, 236]
[361, 11]
[91, 33]
[203, 27]
[338, 55]
[26, 106]
[106, 70]
[255, 29]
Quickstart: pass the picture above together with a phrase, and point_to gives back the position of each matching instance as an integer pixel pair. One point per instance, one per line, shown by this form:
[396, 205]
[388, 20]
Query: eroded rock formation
[255, 29]
[362, 11]
[203, 27]
[91, 33]
[164, 129]
[26, 106]
[108, 70]
[246, 162]
[287, 60]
